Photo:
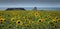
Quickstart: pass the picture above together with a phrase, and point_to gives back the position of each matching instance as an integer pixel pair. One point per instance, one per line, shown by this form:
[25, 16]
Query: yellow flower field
[29, 19]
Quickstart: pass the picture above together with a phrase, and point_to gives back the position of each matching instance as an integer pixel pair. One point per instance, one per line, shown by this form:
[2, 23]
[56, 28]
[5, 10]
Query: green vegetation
[19, 19]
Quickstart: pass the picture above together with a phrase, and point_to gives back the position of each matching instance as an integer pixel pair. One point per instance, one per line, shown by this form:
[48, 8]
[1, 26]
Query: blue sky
[29, 3]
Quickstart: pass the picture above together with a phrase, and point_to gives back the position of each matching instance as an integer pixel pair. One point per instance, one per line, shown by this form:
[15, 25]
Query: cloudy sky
[29, 3]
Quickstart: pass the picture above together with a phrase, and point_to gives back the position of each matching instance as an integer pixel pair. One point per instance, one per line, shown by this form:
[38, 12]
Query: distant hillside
[15, 9]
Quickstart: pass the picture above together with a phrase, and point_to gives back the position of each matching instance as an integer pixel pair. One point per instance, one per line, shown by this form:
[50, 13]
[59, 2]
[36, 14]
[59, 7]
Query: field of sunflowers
[29, 19]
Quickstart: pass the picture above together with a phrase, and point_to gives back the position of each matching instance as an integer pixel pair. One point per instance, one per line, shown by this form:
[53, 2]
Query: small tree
[35, 8]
